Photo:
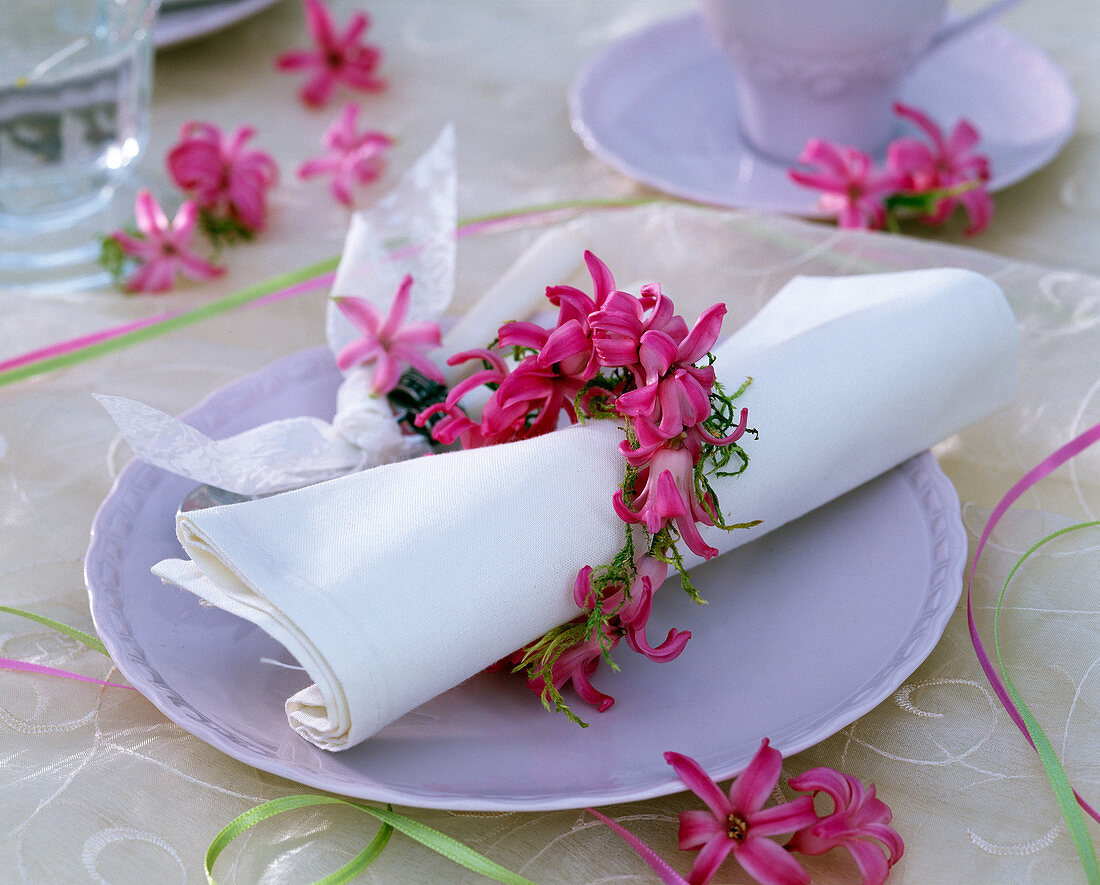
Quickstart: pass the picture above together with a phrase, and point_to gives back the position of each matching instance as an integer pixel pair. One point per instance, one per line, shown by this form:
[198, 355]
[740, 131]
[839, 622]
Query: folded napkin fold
[393, 585]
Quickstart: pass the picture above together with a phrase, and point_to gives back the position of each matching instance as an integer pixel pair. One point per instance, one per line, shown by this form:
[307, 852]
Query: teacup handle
[957, 27]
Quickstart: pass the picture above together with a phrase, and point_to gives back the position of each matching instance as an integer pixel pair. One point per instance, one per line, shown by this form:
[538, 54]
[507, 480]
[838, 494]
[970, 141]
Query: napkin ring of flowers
[630, 359]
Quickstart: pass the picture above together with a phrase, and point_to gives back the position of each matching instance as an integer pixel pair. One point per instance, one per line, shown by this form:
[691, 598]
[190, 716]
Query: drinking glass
[75, 84]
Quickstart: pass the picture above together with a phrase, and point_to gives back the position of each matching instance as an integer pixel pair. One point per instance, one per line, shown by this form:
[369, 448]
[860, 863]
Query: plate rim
[931, 486]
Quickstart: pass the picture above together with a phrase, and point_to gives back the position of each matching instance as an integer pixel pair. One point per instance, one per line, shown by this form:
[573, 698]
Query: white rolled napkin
[393, 585]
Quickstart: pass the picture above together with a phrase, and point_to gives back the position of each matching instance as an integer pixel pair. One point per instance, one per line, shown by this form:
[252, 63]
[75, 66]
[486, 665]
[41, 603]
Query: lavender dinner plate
[660, 106]
[807, 629]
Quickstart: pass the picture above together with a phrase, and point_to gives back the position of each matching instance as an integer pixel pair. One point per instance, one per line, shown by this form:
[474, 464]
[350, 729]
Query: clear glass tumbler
[75, 85]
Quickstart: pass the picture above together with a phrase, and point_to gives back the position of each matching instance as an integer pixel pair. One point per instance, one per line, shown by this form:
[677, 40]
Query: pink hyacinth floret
[853, 189]
[739, 824]
[163, 250]
[943, 162]
[628, 621]
[859, 822]
[336, 57]
[351, 157]
[667, 496]
[388, 344]
[221, 175]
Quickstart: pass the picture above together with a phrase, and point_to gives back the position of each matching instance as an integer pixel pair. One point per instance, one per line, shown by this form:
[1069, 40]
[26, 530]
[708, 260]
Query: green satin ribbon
[314, 276]
[439, 842]
[1063, 791]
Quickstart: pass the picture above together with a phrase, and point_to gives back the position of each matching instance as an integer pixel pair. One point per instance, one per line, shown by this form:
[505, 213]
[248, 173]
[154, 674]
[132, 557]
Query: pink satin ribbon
[9, 664]
[1044, 468]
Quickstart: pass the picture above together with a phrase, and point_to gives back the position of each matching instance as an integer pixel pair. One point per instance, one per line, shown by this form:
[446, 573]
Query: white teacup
[826, 68]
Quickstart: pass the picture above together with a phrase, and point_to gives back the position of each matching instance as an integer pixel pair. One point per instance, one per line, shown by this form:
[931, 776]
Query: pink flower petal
[700, 783]
[602, 280]
[361, 313]
[770, 864]
[319, 21]
[387, 372]
[565, 341]
[979, 207]
[656, 353]
[156, 276]
[356, 352]
[923, 122]
[697, 827]
[755, 784]
[710, 859]
[296, 61]
[785, 818]
[399, 309]
[873, 866]
[148, 215]
[197, 268]
[418, 361]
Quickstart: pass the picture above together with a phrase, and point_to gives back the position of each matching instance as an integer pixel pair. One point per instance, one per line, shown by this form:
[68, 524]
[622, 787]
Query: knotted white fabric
[393, 585]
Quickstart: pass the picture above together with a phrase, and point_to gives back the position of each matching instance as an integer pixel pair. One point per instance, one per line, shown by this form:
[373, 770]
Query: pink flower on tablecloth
[221, 175]
[353, 157]
[859, 822]
[389, 344]
[336, 58]
[163, 249]
[943, 163]
[739, 825]
[854, 190]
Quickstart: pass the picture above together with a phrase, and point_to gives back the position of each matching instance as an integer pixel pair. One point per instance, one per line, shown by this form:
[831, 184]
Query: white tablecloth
[98, 786]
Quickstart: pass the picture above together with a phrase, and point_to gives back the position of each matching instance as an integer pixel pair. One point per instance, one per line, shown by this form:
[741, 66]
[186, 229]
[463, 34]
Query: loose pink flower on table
[739, 824]
[389, 344]
[854, 190]
[858, 822]
[163, 249]
[352, 157]
[221, 175]
[336, 58]
[944, 162]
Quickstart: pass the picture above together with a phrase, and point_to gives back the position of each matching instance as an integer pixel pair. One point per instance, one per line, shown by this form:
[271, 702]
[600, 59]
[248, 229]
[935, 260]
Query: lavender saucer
[659, 106]
[807, 629]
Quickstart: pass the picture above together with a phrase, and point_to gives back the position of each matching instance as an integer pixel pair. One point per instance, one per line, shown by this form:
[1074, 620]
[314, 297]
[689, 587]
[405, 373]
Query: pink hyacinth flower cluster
[163, 249]
[337, 57]
[646, 355]
[226, 179]
[739, 824]
[945, 169]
